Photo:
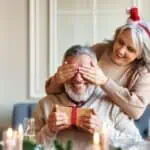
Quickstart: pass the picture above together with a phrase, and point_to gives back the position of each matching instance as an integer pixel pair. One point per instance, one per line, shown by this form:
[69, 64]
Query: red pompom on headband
[135, 18]
[134, 14]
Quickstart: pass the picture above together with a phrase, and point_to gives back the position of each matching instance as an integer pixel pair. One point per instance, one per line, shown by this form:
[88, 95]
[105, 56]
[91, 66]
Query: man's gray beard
[79, 97]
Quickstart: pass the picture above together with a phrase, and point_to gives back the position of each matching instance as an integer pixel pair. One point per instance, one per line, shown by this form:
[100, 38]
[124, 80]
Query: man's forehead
[80, 60]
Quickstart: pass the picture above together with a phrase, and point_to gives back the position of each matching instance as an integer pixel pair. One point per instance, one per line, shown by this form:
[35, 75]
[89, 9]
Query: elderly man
[80, 93]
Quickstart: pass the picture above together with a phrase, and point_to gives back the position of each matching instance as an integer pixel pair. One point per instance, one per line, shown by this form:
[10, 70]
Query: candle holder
[13, 139]
[9, 140]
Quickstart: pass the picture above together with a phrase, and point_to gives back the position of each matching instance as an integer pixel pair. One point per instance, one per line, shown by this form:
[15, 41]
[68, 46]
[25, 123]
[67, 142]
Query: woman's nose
[122, 51]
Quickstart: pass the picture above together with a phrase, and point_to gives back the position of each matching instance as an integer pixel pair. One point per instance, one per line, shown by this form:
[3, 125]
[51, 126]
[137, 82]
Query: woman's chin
[120, 62]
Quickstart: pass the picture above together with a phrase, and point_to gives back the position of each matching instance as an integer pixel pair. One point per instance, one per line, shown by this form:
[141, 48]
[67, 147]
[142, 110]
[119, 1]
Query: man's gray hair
[77, 50]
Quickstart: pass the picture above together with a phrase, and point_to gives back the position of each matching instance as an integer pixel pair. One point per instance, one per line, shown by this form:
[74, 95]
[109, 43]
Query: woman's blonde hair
[141, 39]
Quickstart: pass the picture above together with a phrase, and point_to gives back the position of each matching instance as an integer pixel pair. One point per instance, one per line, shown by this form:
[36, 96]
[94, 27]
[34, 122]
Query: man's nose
[78, 77]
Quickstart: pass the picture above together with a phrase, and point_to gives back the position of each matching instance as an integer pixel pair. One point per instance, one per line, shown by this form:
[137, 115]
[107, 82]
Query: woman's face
[124, 50]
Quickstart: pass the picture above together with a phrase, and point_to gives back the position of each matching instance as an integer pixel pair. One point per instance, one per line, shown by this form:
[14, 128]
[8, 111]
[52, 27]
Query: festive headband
[135, 18]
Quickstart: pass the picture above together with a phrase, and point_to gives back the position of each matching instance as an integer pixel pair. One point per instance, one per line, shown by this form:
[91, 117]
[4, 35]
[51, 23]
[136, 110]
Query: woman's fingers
[87, 69]
[68, 75]
[93, 74]
[57, 128]
[66, 72]
[68, 67]
[90, 78]
[89, 75]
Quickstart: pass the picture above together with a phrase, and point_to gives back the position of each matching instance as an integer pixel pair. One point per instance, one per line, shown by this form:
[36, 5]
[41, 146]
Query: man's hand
[65, 72]
[57, 121]
[91, 123]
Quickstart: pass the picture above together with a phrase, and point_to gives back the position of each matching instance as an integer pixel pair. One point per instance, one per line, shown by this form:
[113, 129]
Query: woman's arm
[132, 101]
[52, 87]
[64, 73]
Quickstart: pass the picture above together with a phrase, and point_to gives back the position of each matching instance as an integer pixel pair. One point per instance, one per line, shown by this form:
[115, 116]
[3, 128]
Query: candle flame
[96, 138]
[20, 128]
[104, 128]
[9, 132]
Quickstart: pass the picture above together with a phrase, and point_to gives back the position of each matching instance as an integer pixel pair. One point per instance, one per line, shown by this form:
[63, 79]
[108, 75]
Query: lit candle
[9, 140]
[19, 138]
[104, 138]
[96, 141]
[9, 133]
[134, 3]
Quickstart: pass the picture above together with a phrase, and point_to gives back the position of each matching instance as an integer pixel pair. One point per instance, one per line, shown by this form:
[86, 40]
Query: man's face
[78, 88]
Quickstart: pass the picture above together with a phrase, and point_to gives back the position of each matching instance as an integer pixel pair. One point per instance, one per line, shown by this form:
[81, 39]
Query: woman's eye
[130, 49]
[120, 42]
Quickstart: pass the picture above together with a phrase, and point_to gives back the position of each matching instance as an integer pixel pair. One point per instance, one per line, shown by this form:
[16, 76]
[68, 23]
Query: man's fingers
[62, 122]
[60, 114]
[54, 116]
[56, 126]
[62, 127]
[89, 123]
[88, 128]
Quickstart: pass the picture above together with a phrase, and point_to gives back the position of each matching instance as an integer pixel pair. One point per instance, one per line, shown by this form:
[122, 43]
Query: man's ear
[93, 63]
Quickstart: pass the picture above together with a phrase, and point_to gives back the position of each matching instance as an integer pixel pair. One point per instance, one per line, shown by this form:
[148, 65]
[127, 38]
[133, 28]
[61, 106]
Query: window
[55, 25]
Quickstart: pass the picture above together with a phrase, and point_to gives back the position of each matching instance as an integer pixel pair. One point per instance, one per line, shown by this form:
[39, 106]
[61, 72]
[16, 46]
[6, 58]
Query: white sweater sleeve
[123, 131]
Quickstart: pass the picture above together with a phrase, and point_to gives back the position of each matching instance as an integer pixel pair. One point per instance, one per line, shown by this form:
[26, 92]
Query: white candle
[133, 3]
[104, 138]
[9, 133]
[20, 129]
[96, 141]
[19, 138]
[9, 140]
